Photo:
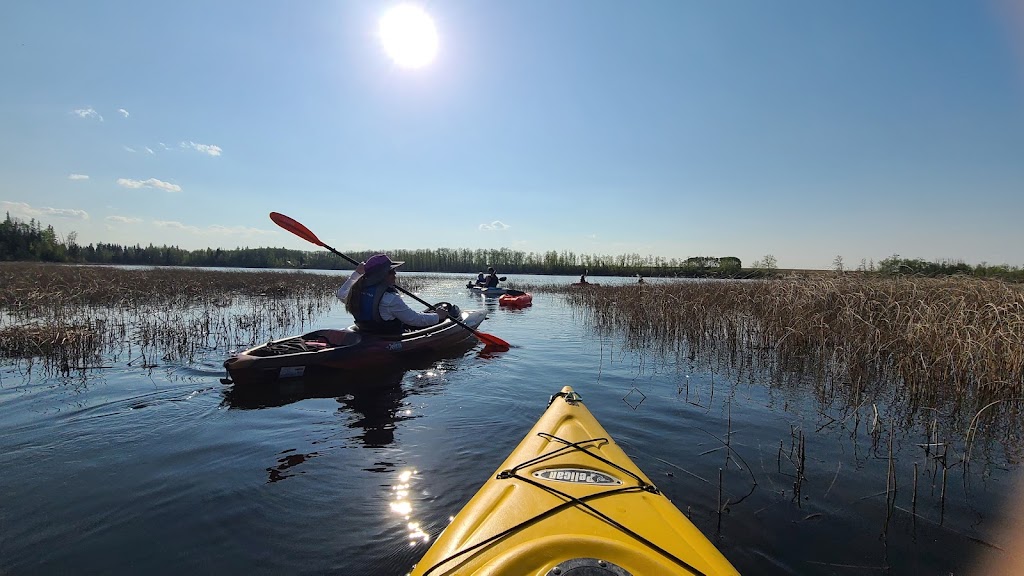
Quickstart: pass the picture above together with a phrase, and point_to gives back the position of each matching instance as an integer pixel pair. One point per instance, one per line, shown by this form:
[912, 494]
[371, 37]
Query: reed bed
[943, 341]
[72, 316]
[35, 288]
[940, 359]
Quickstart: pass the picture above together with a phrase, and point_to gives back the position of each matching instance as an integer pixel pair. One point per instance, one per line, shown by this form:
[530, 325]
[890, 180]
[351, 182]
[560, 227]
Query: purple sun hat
[377, 268]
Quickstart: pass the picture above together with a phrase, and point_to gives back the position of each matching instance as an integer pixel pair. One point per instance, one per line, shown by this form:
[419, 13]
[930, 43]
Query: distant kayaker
[370, 296]
[492, 279]
[583, 277]
[640, 279]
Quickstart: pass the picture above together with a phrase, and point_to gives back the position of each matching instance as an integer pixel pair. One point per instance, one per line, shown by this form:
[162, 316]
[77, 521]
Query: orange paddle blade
[295, 228]
[492, 342]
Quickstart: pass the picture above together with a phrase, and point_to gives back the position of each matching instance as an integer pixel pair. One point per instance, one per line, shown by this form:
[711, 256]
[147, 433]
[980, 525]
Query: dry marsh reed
[955, 343]
[941, 359]
[72, 317]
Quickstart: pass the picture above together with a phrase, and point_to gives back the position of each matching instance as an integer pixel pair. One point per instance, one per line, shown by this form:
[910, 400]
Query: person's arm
[392, 306]
[356, 275]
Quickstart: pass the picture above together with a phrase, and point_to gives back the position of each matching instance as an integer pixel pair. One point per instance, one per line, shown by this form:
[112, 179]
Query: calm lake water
[164, 469]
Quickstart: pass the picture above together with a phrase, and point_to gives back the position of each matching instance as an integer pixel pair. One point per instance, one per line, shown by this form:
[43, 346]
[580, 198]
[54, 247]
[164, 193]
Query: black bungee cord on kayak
[289, 346]
[645, 486]
[571, 501]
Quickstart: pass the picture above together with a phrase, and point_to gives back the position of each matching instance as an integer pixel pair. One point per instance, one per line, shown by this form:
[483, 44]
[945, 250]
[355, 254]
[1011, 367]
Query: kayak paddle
[301, 231]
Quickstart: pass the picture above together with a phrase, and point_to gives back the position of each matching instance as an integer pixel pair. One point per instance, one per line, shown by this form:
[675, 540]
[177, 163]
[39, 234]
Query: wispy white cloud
[174, 225]
[240, 231]
[149, 150]
[123, 112]
[497, 225]
[150, 183]
[78, 176]
[215, 230]
[129, 149]
[123, 219]
[210, 149]
[26, 210]
[87, 113]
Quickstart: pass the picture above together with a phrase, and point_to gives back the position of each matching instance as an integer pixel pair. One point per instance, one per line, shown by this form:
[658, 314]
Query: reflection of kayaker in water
[370, 296]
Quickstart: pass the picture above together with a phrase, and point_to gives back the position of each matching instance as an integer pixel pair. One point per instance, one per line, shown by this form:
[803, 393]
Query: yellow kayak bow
[569, 502]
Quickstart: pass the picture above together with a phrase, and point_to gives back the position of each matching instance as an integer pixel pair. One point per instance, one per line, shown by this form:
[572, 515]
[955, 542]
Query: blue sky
[801, 129]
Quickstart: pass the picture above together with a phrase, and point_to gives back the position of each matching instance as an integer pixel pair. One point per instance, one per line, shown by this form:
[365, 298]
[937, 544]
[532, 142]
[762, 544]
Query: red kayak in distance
[517, 300]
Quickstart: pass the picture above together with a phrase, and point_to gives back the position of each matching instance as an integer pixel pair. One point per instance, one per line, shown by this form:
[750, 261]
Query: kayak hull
[565, 497]
[328, 350]
[516, 300]
[489, 292]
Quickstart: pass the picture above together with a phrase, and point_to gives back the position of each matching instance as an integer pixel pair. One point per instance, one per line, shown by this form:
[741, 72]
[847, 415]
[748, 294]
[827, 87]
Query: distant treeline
[896, 266]
[32, 242]
[21, 241]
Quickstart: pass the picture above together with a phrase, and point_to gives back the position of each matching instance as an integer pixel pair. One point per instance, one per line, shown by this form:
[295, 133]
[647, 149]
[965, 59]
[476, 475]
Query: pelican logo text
[576, 476]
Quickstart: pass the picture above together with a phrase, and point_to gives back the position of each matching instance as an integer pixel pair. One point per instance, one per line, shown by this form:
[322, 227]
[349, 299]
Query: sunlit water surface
[167, 470]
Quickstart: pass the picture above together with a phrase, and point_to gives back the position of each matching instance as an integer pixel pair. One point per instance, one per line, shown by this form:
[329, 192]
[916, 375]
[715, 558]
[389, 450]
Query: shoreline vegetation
[952, 337]
[937, 336]
[69, 318]
[944, 353]
[946, 341]
[75, 318]
[31, 242]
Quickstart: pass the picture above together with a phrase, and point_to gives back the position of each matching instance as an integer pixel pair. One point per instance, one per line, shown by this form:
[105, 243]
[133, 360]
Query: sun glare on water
[408, 35]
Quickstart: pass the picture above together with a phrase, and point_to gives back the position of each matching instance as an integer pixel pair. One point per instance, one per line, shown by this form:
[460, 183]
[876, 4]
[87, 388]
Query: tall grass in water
[77, 316]
[956, 343]
[940, 359]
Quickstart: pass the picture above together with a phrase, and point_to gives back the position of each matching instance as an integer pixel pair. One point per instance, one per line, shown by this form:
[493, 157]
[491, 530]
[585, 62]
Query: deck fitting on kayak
[571, 397]
[588, 567]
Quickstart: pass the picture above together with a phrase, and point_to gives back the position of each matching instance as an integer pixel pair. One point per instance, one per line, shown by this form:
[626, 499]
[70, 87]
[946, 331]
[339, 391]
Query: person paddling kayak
[370, 296]
[492, 279]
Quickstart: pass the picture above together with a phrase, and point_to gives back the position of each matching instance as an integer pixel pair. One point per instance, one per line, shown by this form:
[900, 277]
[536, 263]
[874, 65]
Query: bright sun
[408, 35]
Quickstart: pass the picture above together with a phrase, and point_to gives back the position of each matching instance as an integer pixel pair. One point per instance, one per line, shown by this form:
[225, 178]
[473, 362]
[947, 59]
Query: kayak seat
[336, 337]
